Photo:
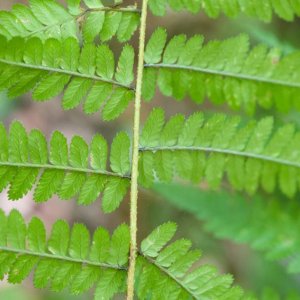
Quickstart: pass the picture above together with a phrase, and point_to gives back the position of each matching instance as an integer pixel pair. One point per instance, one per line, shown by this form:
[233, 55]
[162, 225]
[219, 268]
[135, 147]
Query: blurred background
[250, 268]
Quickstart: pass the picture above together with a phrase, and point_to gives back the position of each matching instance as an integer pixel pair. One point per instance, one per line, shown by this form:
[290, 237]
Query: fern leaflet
[242, 78]
[79, 171]
[266, 225]
[285, 9]
[69, 259]
[66, 260]
[49, 19]
[163, 271]
[250, 155]
[85, 73]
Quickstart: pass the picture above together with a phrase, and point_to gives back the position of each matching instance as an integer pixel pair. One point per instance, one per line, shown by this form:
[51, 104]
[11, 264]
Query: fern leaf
[91, 189]
[120, 241]
[100, 246]
[105, 62]
[16, 230]
[152, 128]
[49, 19]
[114, 192]
[59, 240]
[79, 242]
[156, 46]
[173, 252]
[165, 273]
[267, 226]
[120, 152]
[124, 72]
[112, 282]
[55, 67]
[250, 156]
[285, 9]
[36, 235]
[70, 260]
[242, 78]
[62, 264]
[158, 239]
[76, 171]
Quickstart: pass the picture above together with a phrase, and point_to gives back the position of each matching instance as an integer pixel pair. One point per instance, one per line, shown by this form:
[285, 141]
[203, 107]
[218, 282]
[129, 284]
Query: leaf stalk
[135, 155]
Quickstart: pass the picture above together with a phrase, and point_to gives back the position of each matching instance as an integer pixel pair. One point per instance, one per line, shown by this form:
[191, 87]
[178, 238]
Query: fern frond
[164, 271]
[78, 170]
[49, 19]
[285, 9]
[250, 155]
[86, 74]
[242, 78]
[267, 225]
[269, 293]
[69, 259]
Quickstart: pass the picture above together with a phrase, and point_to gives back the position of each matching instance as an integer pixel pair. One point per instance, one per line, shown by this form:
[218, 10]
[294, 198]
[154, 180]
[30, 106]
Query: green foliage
[267, 225]
[172, 271]
[243, 78]
[49, 19]
[250, 155]
[285, 9]
[78, 170]
[153, 244]
[50, 49]
[53, 67]
[68, 260]
[271, 294]
[72, 259]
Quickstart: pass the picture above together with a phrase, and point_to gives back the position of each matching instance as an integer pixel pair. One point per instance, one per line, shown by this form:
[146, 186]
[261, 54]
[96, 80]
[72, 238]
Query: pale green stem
[135, 156]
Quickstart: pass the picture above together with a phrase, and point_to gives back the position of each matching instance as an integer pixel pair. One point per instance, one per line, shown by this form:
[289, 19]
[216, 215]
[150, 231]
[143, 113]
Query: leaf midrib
[67, 168]
[240, 76]
[63, 71]
[245, 154]
[60, 257]
[62, 168]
